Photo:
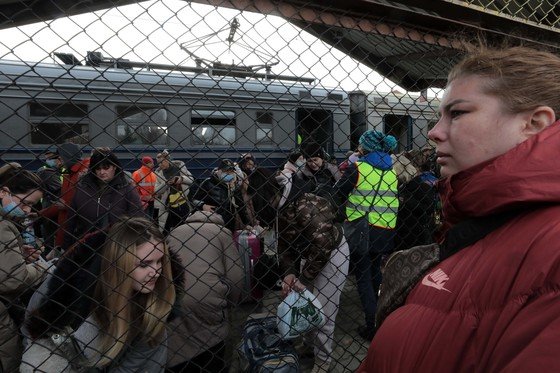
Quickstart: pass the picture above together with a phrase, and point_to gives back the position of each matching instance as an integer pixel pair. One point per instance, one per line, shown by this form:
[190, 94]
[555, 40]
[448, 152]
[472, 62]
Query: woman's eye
[143, 265]
[456, 113]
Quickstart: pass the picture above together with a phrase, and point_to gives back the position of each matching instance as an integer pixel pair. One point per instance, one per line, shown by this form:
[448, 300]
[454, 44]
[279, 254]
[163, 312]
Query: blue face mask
[227, 177]
[13, 210]
[51, 163]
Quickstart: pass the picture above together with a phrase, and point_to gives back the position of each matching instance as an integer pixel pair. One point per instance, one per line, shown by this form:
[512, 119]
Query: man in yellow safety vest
[370, 186]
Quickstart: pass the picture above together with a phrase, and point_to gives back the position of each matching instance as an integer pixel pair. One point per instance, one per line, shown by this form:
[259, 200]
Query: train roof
[14, 72]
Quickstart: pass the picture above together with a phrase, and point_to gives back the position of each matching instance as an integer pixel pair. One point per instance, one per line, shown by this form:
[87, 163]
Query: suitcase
[249, 247]
[263, 351]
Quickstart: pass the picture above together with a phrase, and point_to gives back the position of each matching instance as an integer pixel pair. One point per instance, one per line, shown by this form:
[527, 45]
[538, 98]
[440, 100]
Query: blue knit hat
[373, 141]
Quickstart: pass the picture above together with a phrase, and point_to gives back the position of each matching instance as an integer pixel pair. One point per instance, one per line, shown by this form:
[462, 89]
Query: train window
[213, 127]
[142, 125]
[265, 121]
[335, 96]
[54, 123]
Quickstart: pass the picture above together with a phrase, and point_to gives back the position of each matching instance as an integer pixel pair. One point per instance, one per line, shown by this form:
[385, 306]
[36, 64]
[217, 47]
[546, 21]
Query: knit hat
[311, 150]
[373, 141]
[146, 160]
[70, 154]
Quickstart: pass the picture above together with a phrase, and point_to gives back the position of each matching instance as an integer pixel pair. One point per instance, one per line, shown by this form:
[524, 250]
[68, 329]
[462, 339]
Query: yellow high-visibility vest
[375, 194]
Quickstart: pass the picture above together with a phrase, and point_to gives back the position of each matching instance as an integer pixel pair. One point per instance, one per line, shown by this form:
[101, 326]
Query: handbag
[404, 269]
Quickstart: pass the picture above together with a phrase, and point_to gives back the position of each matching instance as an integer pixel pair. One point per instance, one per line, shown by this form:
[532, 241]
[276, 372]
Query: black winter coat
[320, 182]
[229, 204]
[95, 207]
[416, 216]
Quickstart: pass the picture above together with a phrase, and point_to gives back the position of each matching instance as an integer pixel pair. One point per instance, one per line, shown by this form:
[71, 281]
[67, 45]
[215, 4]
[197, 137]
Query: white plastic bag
[299, 313]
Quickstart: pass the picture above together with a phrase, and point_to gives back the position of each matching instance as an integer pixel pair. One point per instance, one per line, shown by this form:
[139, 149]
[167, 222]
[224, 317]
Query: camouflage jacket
[307, 231]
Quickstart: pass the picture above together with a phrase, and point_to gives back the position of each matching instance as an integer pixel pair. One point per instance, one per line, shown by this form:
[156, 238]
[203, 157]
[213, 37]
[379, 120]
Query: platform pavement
[349, 348]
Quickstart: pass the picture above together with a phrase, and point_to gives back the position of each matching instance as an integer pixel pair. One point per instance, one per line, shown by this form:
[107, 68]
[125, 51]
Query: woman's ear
[539, 119]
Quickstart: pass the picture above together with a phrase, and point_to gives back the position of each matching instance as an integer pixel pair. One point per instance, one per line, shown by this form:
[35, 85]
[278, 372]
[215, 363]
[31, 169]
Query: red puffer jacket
[495, 305]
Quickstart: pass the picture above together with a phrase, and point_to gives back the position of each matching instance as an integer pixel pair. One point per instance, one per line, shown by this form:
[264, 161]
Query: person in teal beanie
[368, 194]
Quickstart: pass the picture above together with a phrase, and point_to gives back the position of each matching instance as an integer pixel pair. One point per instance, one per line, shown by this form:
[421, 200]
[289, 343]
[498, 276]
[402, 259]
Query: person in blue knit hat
[368, 194]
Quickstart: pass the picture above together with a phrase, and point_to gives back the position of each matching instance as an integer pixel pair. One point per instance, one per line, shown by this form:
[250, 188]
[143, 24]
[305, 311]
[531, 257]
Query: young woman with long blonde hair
[106, 304]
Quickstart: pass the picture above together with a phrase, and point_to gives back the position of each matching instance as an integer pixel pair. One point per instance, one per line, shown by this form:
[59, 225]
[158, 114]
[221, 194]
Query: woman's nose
[436, 133]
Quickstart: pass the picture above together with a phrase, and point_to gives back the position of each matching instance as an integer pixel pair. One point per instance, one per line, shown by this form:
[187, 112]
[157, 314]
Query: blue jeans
[368, 245]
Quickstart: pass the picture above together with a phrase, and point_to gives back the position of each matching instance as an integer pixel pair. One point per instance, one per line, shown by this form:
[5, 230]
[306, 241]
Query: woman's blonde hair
[123, 315]
[523, 78]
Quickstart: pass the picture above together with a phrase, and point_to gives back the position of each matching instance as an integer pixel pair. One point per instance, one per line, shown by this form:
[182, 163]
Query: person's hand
[31, 253]
[175, 180]
[291, 282]
[54, 253]
[208, 208]
[60, 204]
[46, 266]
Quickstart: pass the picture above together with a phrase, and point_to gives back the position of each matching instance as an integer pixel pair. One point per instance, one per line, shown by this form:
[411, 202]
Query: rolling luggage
[262, 350]
[249, 246]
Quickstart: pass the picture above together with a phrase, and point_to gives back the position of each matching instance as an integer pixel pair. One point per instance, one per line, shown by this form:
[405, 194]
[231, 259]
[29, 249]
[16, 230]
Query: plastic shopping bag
[299, 313]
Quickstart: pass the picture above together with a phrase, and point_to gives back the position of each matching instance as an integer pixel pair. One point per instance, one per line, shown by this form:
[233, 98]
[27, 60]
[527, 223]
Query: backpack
[262, 350]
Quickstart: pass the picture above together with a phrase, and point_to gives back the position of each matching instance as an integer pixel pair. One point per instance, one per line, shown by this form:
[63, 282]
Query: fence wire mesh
[228, 131]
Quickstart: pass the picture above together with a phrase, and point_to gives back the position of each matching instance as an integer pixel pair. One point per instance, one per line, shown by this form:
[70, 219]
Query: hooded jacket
[15, 278]
[495, 305]
[350, 178]
[213, 278]
[96, 207]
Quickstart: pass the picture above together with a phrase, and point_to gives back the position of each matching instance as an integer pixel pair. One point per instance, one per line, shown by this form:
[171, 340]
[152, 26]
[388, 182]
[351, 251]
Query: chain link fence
[234, 128]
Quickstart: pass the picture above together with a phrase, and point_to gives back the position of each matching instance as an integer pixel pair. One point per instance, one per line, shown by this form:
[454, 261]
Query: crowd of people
[96, 226]
[116, 271]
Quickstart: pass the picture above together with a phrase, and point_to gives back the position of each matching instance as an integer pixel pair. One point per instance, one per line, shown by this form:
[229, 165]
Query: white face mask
[300, 163]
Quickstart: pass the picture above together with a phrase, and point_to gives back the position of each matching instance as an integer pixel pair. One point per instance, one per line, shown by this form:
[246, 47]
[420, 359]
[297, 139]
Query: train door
[399, 126]
[315, 125]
